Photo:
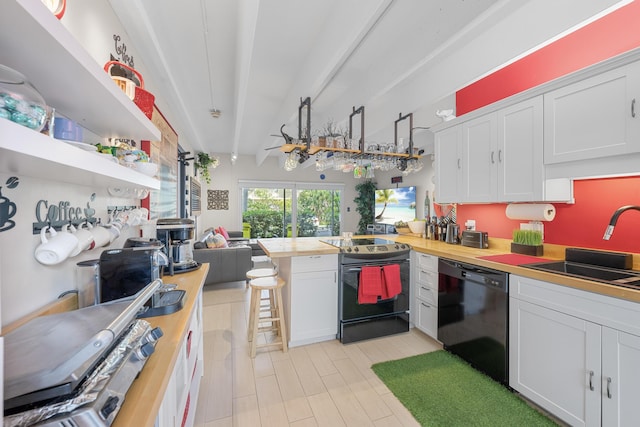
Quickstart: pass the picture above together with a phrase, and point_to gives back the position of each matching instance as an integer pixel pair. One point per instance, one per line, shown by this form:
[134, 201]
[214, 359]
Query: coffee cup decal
[7, 208]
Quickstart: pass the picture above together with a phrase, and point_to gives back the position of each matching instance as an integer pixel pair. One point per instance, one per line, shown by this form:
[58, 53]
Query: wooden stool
[274, 310]
[261, 272]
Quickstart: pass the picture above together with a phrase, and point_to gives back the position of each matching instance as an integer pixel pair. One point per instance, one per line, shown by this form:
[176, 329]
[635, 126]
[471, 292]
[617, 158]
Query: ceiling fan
[287, 139]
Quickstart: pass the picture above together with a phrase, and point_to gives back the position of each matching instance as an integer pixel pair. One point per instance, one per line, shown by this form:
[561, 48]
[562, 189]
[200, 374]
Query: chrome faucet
[614, 219]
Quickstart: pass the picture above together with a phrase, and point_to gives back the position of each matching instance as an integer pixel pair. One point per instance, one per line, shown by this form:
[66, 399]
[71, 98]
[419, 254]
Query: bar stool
[274, 310]
[261, 272]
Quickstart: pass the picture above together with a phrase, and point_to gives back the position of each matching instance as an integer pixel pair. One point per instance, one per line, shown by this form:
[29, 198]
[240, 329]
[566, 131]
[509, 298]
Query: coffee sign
[57, 215]
[7, 208]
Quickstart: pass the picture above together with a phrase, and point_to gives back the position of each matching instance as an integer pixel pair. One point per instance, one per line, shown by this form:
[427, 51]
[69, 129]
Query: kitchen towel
[370, 286]
[531, 211]
[391, 284]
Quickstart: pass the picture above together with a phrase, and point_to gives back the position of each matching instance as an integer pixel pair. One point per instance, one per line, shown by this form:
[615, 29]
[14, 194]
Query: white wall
[226, 177]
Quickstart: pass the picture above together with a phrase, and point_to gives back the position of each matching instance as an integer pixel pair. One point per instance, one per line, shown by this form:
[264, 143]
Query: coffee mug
[84, 236]
[114, 231]
[56, 248]
[101, 236]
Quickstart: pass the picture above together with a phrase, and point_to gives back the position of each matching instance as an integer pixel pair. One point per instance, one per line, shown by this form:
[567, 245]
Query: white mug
[114, 231]
[101, 236]
[85, 239]
[56, 248]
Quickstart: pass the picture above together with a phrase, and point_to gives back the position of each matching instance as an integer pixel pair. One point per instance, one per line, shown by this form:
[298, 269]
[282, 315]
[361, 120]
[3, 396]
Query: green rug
[440, 389]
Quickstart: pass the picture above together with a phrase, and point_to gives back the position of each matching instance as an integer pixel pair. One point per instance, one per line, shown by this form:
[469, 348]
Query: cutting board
[514, 259]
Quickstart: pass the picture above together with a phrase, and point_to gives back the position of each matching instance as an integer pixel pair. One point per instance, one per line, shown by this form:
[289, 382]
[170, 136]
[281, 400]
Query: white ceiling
[255, 59]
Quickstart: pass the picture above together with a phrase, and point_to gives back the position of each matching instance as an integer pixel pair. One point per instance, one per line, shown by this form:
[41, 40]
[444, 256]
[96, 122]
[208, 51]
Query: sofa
[225, 264]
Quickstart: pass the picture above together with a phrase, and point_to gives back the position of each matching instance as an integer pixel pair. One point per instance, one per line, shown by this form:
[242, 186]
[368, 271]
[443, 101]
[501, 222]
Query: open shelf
[35, 43]
[26, 152]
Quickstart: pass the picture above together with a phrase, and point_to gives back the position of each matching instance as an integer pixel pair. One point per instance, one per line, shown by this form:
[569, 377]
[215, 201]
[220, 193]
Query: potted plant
[203, 162]
[365, 204]
[527, 242]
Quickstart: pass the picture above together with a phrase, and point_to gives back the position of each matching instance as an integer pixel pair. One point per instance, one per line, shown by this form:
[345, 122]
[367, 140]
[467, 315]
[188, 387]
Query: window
[277, 209]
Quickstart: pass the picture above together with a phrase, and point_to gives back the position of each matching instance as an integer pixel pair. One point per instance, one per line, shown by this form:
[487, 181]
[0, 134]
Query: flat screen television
[395, 204]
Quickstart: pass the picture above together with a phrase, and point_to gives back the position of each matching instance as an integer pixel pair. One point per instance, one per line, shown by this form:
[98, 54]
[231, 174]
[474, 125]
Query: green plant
[203, 162]
[365, 204]
[527, 237]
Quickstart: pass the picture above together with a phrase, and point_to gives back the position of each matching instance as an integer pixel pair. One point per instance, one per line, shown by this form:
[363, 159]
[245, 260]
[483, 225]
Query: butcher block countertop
[143, 400]
[287, 247]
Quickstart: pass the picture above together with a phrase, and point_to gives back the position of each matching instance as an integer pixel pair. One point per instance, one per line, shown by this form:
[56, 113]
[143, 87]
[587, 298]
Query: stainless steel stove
[386, 315]
[367, 246]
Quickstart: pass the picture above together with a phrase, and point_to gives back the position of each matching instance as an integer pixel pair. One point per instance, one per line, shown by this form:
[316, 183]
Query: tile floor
[324, 384]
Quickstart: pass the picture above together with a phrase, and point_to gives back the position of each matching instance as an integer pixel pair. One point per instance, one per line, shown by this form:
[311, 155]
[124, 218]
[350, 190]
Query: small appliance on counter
[176, 234]
[75, 368]
[475, 239]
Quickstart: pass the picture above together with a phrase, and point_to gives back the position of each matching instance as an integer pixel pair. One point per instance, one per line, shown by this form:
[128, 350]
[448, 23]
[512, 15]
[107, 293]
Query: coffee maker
[176, 234]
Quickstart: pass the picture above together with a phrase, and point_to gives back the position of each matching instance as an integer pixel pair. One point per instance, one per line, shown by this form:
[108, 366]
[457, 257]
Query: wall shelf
[34, 42]
[26, 152]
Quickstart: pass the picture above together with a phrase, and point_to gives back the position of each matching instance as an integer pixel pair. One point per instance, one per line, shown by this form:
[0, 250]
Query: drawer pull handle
[500, 156]
[428, 306]
[492, 159]
[591, 380]
[609, 387]
[422, 287]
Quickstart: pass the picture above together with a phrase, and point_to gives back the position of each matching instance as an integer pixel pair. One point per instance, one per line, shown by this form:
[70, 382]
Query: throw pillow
[223, 232]
[220, 241]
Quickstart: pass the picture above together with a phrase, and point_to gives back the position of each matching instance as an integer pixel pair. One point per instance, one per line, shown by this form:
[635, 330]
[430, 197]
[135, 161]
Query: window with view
[290, 209]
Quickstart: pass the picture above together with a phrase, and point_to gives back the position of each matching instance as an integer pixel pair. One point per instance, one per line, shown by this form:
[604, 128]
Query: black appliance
[176, 235]
[75, 368]
[357, 321]
[124, 272]
[473, 316]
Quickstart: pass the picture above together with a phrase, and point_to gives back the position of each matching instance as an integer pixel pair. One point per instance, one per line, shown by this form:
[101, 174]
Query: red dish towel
[370, 286]
[392, 285]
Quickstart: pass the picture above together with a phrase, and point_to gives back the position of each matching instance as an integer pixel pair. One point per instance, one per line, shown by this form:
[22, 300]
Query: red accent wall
[583, 223]
[611, 35]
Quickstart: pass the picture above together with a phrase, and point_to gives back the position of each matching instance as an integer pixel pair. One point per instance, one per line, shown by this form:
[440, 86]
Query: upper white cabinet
[519, 152]
[448, 157]
[593, 118]
[35, 43]
[496, 157]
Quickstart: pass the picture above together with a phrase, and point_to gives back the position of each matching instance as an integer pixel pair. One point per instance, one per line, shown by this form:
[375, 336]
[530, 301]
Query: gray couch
[225, 264]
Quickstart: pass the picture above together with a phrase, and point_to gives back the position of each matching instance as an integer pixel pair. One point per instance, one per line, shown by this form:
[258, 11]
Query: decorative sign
[8, 209]
[396, 179]
[218, 200]
[56, 216]
[121, 52]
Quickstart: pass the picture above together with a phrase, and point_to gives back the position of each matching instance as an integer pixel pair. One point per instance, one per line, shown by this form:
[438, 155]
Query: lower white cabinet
[310, 298]
[424, 285]
[575, 353]
[179, 403]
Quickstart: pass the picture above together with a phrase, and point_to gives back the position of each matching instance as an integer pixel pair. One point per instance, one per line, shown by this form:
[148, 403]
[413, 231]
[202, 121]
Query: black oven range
[374, 289]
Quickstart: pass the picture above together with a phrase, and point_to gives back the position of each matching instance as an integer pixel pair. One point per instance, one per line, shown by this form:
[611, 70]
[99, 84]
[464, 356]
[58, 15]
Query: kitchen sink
[611, 276]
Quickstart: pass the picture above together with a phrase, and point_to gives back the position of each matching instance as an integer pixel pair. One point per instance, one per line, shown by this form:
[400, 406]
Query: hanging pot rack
[306, 149]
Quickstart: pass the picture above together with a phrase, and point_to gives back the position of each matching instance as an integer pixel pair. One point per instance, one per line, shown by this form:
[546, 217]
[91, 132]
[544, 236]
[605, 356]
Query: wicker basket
[142, 98]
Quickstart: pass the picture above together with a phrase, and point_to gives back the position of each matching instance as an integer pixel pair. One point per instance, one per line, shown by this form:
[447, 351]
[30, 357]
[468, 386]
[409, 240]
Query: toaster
[475, 239]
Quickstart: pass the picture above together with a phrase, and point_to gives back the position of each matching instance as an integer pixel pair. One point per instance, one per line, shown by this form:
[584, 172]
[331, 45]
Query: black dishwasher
[473, 316]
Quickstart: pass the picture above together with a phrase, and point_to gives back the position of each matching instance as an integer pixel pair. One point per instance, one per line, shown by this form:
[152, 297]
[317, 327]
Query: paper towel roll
[531, 211]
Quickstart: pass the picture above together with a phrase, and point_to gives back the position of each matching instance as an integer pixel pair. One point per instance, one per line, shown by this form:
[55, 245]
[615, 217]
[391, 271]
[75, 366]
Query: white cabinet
[518, 155]
[179, 403]
[574, 353]
[310, 297]
[496, 157]
[424, 285]
[448, 157]
[594, 118]
[78, 89]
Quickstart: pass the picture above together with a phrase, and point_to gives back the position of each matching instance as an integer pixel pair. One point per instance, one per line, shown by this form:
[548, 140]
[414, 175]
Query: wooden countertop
[296, 246]
[144, 398]
[287, 247]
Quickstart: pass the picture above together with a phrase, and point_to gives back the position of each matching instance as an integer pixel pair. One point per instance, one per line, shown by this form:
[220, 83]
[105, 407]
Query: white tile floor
[324, 384]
